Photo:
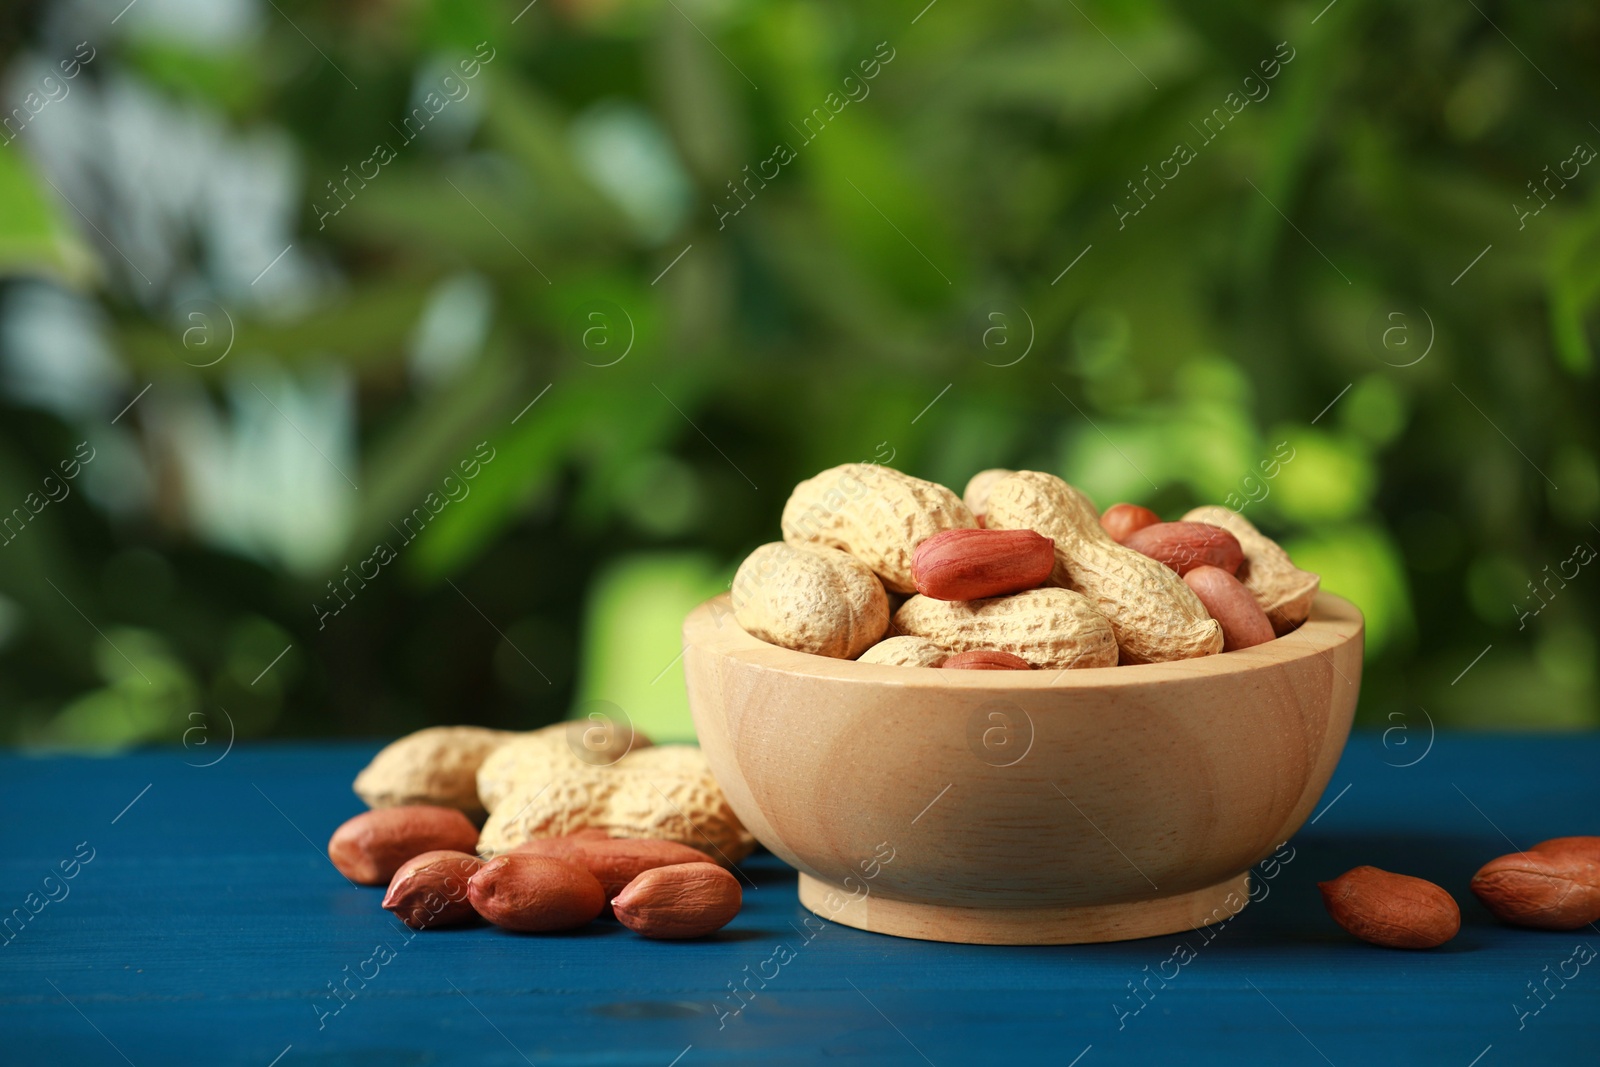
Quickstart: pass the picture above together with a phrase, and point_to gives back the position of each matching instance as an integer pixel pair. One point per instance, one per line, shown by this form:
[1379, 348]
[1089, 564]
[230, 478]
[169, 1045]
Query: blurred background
[394, 362]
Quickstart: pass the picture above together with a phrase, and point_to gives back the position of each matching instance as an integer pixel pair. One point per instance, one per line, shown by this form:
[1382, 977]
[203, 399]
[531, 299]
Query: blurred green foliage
[1365, 265]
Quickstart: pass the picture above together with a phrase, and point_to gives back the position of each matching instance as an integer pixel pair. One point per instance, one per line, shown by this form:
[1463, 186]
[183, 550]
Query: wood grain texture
[1052, 791]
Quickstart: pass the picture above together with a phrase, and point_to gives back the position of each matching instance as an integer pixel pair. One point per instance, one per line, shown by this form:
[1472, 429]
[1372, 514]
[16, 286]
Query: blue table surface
[203, 925]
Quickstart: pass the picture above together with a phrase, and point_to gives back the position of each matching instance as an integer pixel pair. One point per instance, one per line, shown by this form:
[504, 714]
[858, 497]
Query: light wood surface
[1024, 807]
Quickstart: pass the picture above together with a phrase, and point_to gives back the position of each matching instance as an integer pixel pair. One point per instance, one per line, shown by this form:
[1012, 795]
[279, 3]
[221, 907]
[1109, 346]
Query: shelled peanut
[1554, 885]
[859, 536]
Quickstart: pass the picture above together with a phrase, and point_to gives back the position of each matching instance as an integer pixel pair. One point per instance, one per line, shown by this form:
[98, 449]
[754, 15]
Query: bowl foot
[1028, 926]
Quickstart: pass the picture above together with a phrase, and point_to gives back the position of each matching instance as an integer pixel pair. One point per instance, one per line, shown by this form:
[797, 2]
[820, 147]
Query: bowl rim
[1333, 622]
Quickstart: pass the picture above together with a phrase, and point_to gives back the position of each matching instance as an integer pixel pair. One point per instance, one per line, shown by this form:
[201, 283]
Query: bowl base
[1028, 926]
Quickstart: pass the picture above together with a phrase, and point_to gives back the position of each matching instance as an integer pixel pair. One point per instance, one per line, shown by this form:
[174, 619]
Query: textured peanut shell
[665, 793]
[681, 901]
[876, 514]
[1284, 591]
[905, 651]
[535, 758]
[976, 494]
[1154, 616]
[1053, 629]
[438, 765]
[813, 599]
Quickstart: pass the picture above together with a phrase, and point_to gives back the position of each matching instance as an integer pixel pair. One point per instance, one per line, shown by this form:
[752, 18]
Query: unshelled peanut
[976, 494]
[1049, 628]
[811, 599]
[1154, 616]
[665, 793]
[438, 765]
[876, 514]
[905, 651]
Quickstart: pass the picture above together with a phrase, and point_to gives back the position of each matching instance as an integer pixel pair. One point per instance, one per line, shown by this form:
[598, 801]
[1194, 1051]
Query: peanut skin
[618, 861]
[1184, 546]
[1243, 622]
[1284, 591]
[986, 659]
[1392, 910]
[1154, 616]
[973, 564]
[430, 890]
[678, 902]
[1120, 520]
[371, 847]
[535, 894]
[1553, 886]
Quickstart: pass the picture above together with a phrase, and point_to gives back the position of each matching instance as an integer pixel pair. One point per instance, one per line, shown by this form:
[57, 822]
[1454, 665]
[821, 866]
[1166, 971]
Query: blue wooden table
[201, 924]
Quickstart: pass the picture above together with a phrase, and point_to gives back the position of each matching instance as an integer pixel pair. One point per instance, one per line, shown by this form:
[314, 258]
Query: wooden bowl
[1024, 807]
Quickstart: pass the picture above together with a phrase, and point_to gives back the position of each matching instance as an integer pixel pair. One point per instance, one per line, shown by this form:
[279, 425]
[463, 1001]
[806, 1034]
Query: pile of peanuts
[576, 825]
[1020, 572]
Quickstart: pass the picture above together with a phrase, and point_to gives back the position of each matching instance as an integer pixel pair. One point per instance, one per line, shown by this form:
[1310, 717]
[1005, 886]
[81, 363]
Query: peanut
[369, 848]
[1186, 545]
[976, 494]
[986, 659]
[1582, 847]
[1153, 615]
[1284, 591]
[430, 890]
[681, 901]
[666, 793]
[1120, 520]
[1553, 886]
[618, 861]
[438, 766]
[535, 894]
[811, 599]
[1393, 910]
[545, 754]
[905, 651]
[564, 847]
[615, 861]
[974, 564]
[874, 513]
[1049, 628]
[1243, 622]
